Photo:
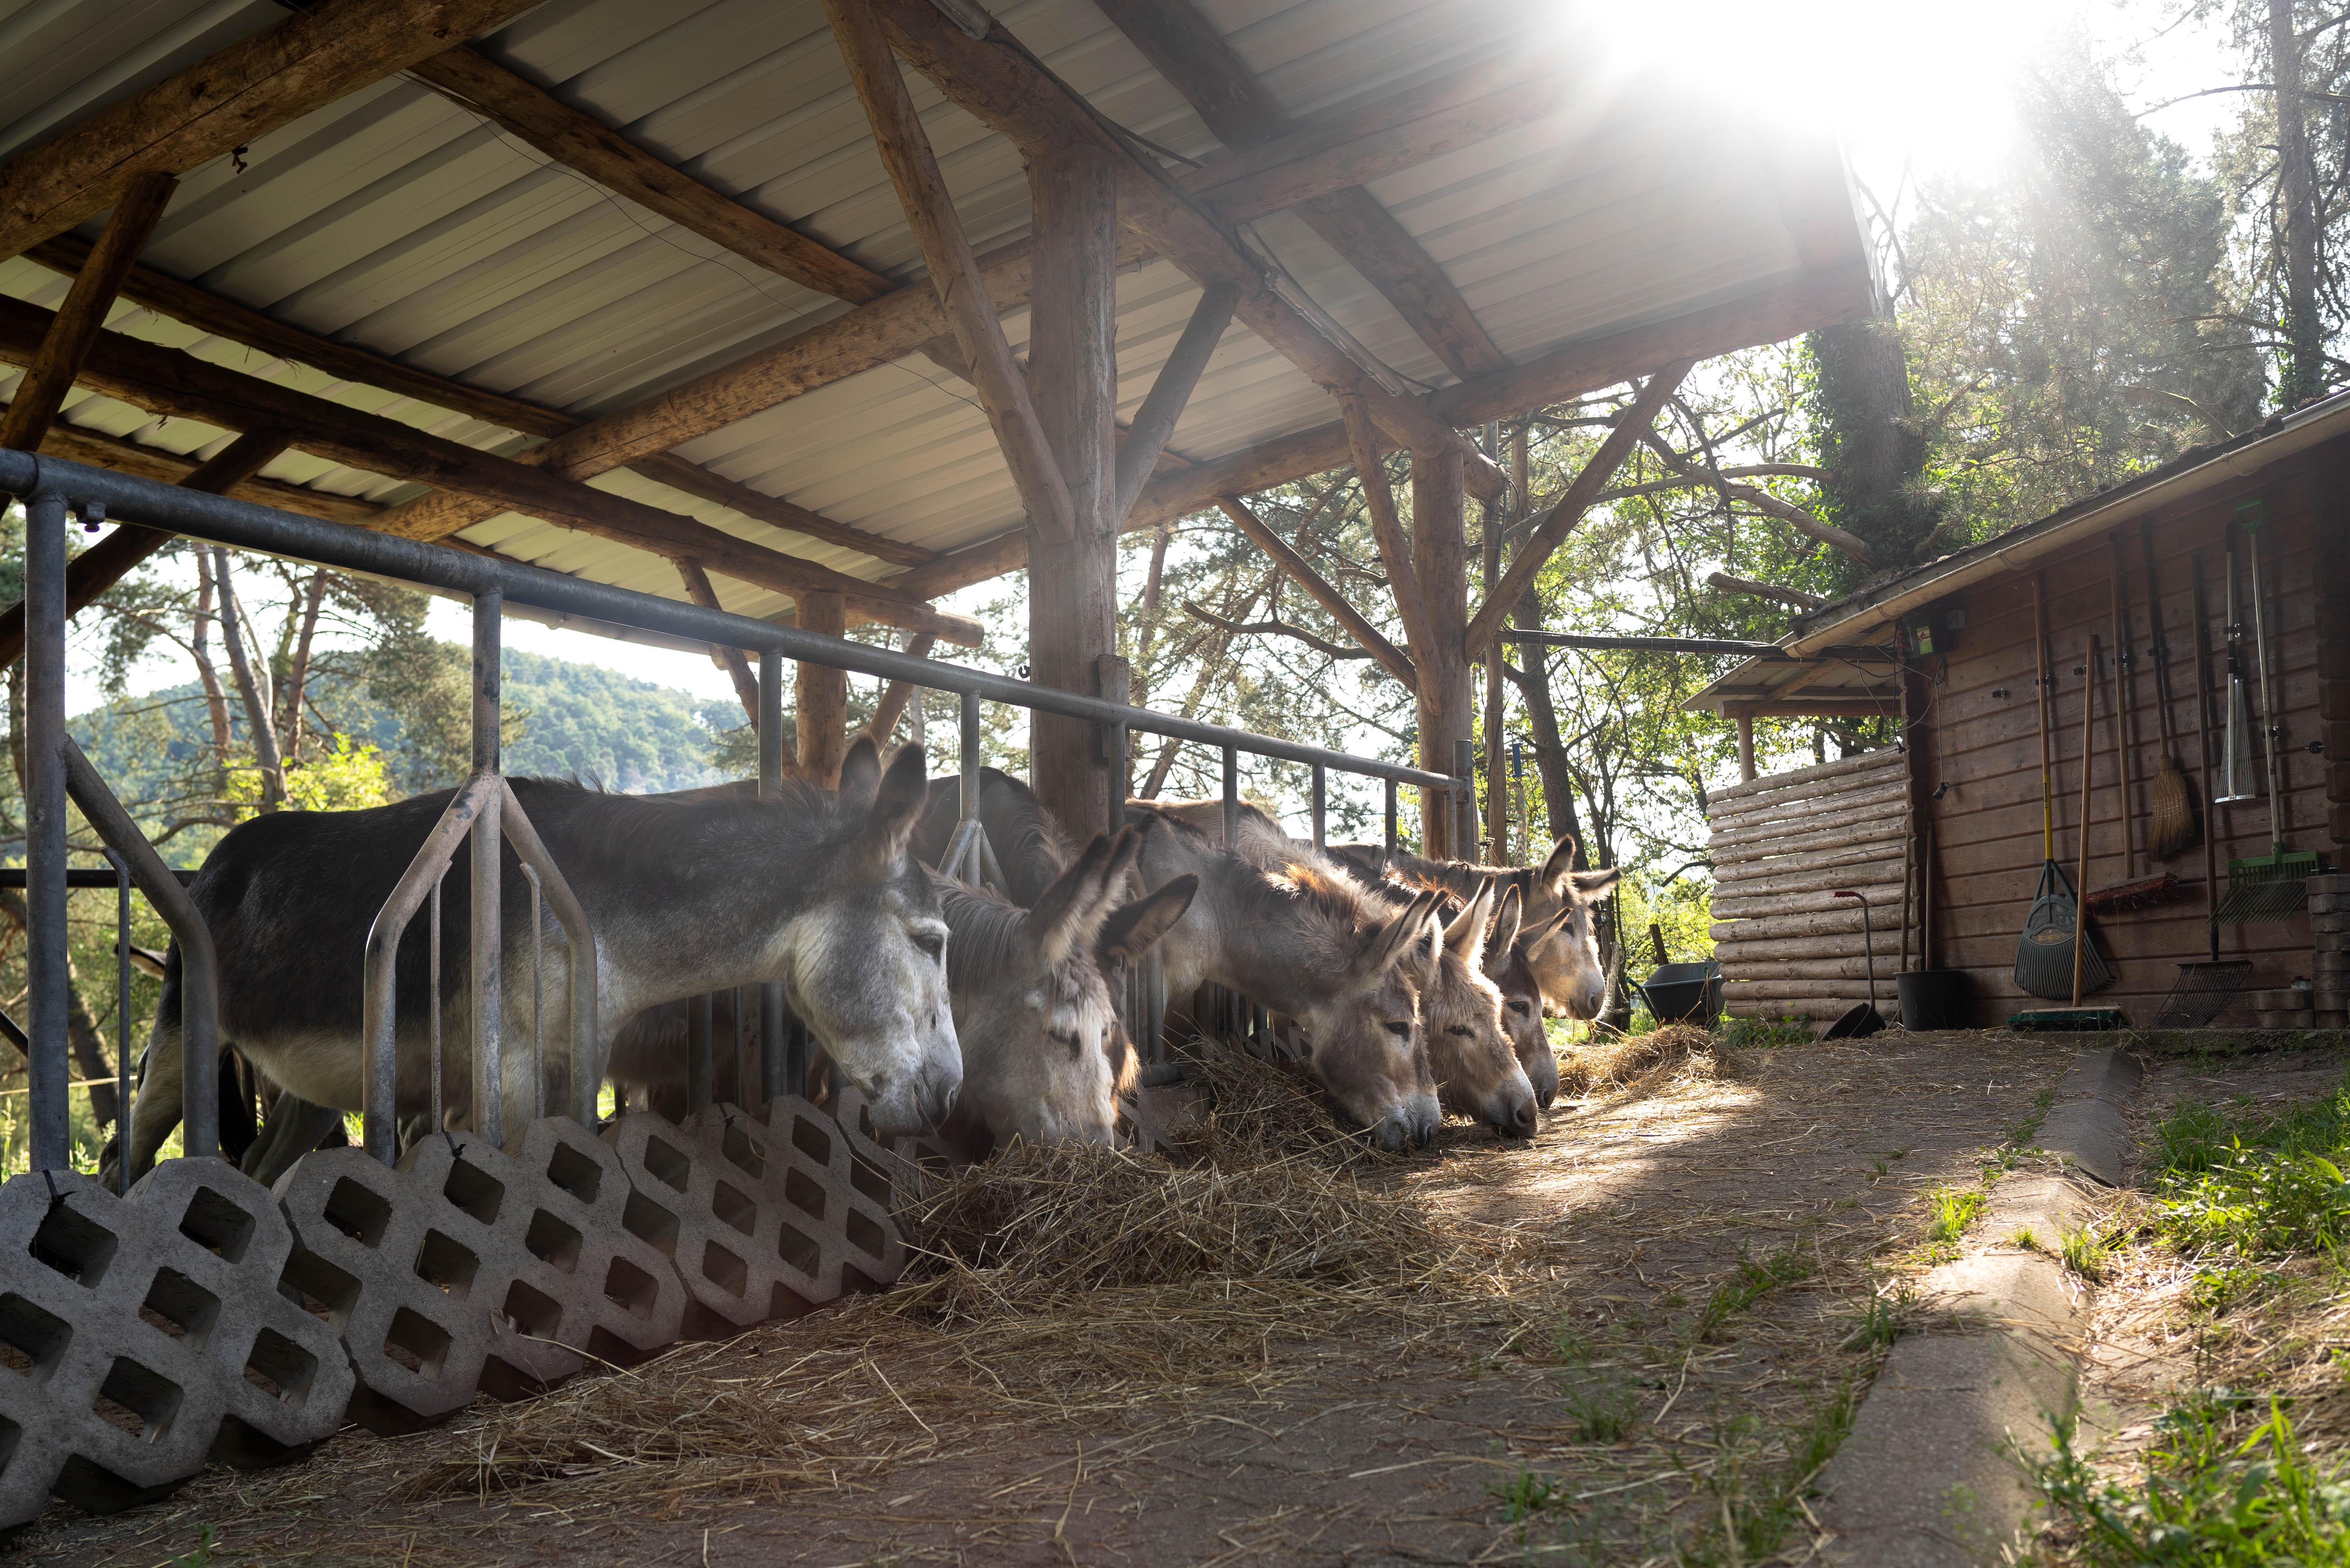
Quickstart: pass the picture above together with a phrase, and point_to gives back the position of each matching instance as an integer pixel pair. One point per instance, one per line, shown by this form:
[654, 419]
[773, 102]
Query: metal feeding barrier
[200, 1316]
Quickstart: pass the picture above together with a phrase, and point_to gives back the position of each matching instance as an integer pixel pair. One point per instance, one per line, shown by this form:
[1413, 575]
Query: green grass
[1753, 1279]
[2207, 1497]
[1949, 1211]
[2084, 1251]
[1759, 1033]
[2242, 1182]
[1878, 1325]
[1601, 1414]
[1752, 1516]
[1522, 1494]
[2021, 1135]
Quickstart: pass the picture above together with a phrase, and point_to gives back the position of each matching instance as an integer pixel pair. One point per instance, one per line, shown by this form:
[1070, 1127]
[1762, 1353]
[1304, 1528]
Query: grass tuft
[1949, 1211]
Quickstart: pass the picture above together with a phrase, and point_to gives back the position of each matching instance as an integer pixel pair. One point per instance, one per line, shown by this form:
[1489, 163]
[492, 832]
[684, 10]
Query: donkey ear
[1132, 929]
[861, 770]
[1466, 934]
[896, 803]
[1561, 864]
[1393, 941]
[1052, 926]
[1498, 940]
[1591, 884]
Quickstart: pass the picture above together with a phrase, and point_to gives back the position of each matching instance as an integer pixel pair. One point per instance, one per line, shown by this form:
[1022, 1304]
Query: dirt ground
[1703, 1252]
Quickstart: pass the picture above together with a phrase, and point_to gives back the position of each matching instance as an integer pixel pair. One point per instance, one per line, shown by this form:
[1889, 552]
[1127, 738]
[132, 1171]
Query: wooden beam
[1447, 715]
[83, 314]
[1367, 638]
[913, 169]
[119, 555]
[161, 381]
[102, 451]
[1552, 529]
[1386, 531]
[730, 659]
[1374, 139]
[1200, 63]
[820, 697]
[228, 100]
[1765, 317]
[1008, 90]
[1162, 406]
[1822, 708]
[894, 698]
[186, 303]
[580, 141]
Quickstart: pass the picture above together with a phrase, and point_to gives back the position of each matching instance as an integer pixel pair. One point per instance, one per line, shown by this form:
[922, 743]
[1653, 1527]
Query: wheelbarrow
[1681, 992]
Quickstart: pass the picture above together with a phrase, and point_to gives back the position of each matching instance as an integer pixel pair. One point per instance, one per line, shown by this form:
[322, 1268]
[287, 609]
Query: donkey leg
[158, 1109]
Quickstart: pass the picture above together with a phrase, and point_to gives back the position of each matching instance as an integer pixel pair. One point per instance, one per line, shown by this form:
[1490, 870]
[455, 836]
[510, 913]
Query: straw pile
[1638, 1064]
[1259, 1113]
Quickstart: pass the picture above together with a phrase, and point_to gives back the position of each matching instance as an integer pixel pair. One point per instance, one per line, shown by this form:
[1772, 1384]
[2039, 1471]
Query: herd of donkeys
[1416, 987]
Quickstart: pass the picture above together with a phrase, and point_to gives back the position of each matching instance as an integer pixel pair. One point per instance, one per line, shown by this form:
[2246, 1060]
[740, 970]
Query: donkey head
[1368, 1048]
[868, 972]
[1565, 957]
[1044, 1057]
[1477, 1072]
[1522, 1022]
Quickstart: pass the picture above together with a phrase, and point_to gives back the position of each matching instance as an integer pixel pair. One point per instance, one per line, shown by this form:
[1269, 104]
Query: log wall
[1975, 739]
[1781, 847]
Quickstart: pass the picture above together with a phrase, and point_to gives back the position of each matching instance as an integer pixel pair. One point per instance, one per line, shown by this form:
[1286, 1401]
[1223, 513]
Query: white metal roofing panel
[399, 219]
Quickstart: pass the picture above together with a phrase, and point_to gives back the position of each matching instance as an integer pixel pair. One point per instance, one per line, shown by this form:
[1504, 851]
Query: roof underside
[399, 221]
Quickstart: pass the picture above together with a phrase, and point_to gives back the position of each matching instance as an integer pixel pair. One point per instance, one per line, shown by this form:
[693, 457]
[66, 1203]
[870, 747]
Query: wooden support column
[78, 321]
[821, 694]
[1440, 559]
[1073, 368]
[1746, 748]
[1497, 792]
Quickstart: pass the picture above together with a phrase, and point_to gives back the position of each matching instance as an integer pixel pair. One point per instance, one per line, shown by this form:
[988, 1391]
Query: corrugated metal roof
[397, 220]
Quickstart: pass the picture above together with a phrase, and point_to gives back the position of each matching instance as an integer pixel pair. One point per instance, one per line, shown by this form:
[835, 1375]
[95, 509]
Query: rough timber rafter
[184, 302]
[162, 381]
[227, 100]
[1002, 86]
[1200, 63]
[1768, 316]
[82, 317]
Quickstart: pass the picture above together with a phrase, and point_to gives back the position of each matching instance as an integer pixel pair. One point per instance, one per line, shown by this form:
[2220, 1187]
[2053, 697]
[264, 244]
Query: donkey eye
[1400, 1030]
[1520, 1004]
[930, 942]
[1461, 1029]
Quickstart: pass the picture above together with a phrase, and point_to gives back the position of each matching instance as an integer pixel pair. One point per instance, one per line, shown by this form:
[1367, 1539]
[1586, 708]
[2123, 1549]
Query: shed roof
[1812, 671]
[399, 219]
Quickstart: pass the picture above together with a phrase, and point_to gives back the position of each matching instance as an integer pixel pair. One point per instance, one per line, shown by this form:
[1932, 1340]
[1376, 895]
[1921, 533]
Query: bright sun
[1919, 83]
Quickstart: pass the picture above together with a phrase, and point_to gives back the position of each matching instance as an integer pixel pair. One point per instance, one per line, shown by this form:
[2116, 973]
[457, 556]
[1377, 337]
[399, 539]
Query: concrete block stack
[2329, 925]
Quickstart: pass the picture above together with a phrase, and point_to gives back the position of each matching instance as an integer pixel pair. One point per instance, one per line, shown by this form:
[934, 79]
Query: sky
[1912, 88]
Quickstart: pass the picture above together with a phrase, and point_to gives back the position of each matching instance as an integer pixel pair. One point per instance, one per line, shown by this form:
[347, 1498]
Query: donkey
[819, 892]
[1483, 1067]
[1309, 942]
[1044, 1058]
[1558, 903]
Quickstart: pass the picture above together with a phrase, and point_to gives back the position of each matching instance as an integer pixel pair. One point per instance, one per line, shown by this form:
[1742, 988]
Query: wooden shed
[1952, 647]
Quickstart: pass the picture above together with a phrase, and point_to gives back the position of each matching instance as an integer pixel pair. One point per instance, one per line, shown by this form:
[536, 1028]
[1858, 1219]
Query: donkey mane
[667, 839]
[1039, 850]
[985, 941]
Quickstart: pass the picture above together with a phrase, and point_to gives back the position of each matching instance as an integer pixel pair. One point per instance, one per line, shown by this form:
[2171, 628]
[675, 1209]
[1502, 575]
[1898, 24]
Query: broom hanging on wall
[2177, 827]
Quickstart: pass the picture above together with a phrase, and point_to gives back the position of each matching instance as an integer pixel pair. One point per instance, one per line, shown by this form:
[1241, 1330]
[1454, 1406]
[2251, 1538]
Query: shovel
[1861, 1019]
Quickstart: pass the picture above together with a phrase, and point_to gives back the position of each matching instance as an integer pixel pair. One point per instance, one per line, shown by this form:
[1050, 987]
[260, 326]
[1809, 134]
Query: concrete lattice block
[146, 1335]
[763, 1216]
[468, 1268]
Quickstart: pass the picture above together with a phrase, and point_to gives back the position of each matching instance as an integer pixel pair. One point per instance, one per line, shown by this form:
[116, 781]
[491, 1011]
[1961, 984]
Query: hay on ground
[1635, 1064]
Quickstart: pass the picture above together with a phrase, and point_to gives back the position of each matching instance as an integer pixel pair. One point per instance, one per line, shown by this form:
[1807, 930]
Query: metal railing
[50, 485]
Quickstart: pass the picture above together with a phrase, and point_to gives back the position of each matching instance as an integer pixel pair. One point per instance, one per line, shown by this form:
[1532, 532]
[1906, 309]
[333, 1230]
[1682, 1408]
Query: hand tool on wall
[2204, 987]
[2045, 953]
[2271, 887]
[2176, 824]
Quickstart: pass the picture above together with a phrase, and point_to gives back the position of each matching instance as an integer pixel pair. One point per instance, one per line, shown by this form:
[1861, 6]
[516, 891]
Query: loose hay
[1636, 1063]
[1259, 1113]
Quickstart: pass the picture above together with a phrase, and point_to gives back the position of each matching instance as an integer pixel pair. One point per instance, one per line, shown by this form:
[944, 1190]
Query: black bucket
[1933, 998]
[1684, 993]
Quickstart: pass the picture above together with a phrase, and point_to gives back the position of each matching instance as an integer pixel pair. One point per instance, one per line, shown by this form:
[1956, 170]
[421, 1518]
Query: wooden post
[1497, 799]
[83, 314]
[1440, 559]
[821, 694]
[1073, 369]
[1746, 748]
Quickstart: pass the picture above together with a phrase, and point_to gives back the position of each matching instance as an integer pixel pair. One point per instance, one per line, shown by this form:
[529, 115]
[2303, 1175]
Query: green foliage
[1753, 1279]
[2239, 1182]
[1949, 1211]
[342, 778]
[1522, 1494]
[2085, 1251]
[2207, 1497]
[1600, 1412]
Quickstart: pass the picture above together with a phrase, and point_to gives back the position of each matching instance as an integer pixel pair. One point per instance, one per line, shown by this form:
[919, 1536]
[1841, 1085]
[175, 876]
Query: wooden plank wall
[1780, 846]
[1975, 741]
